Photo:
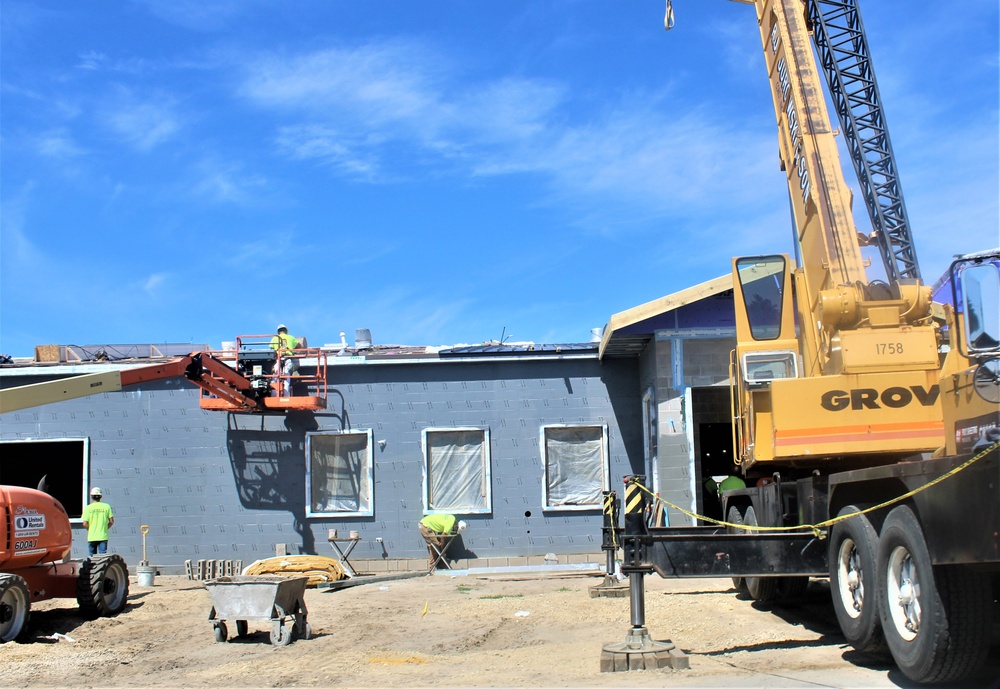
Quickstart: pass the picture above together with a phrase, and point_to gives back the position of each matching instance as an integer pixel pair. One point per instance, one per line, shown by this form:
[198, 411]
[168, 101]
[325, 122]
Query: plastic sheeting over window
[457, 470]
[575, 465]
[339, 476]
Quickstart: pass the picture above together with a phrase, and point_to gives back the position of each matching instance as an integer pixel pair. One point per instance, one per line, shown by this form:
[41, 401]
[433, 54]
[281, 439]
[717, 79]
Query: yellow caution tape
[817, 529]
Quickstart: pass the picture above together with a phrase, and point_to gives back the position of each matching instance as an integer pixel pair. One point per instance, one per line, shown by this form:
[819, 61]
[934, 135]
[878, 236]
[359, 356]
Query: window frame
[368, 472]
[487, 475]
[605, 467]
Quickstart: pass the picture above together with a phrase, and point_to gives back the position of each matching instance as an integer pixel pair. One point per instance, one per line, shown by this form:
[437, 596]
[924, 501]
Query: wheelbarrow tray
[256, 597]
[259, 598]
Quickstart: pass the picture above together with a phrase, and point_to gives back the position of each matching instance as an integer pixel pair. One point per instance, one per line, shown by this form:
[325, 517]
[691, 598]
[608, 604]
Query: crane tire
[102, 586]
[937, 619]
[15, 608]
[760, 588]
[853, 557]
[735, 517]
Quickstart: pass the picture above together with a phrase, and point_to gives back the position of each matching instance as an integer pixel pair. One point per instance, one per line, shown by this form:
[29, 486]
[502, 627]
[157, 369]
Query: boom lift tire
[102, 586]
[853, 557]
[760, 588]
[937, 620]
[15, 607]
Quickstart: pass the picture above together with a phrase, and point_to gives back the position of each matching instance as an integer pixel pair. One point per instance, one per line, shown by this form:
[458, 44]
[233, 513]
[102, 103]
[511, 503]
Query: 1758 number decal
[890, 348]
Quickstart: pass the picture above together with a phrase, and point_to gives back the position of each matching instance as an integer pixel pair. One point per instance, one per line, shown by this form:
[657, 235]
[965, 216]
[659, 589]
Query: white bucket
[145, 575]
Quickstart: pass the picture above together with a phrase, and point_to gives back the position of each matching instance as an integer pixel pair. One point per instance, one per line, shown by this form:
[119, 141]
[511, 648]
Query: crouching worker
[437, 530]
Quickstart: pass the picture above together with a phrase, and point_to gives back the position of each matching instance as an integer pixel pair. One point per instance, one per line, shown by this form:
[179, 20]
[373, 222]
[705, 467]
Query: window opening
[575, 459]
[457, 470]
[339, 473]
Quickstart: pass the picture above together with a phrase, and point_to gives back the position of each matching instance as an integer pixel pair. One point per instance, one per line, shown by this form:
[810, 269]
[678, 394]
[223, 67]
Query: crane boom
[839, 36]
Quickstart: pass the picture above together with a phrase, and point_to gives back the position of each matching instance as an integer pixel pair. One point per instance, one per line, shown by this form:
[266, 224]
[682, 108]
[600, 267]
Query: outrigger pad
[639, 652]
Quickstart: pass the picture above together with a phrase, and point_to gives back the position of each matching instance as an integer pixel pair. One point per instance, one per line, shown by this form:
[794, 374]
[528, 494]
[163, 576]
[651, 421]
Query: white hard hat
[96, 492]
[462, 526]
[282, 326]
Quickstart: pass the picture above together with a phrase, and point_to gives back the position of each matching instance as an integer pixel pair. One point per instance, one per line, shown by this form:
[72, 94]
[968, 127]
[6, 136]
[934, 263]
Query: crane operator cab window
[762, 280]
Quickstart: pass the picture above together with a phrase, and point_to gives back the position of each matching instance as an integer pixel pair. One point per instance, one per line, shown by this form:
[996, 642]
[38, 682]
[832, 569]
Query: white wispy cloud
[228, 183]
[362, 107]
[198, 15]
[59, 144]
[153, 283]
[351, 155]
[19, 253]
[92, 60]
[145, 123]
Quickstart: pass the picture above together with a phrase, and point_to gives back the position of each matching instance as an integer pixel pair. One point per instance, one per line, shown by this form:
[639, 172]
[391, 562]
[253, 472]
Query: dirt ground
[497, 630]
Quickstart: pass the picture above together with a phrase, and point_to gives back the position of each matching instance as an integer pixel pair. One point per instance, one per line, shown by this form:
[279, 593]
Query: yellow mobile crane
[866, 416]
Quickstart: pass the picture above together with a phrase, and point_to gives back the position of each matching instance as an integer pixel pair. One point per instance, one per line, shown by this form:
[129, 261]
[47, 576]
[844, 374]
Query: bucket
[145, 575]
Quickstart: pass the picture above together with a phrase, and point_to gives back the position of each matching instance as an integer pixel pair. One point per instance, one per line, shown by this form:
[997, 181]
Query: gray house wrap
[213, 485]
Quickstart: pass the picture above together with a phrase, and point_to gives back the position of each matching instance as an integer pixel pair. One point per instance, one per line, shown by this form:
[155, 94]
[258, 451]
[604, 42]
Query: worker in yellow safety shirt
[284, 346]
[436, 530]
[98, 517]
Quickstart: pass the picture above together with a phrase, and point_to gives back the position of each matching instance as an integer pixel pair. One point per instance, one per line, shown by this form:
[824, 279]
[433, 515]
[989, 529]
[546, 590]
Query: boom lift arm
[224, 389]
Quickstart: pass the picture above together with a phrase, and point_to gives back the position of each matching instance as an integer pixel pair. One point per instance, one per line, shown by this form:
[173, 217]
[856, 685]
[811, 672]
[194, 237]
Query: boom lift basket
[264, 368]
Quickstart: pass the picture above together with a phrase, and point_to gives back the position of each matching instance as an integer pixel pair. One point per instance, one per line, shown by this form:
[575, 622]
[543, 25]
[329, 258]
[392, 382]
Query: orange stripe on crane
[898, 431]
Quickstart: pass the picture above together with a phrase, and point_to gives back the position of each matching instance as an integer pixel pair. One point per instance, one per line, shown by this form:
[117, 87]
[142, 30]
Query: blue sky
[437, 172]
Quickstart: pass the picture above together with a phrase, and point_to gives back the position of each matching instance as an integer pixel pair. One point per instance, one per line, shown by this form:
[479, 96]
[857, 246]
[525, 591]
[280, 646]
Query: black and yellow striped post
[639, 651]
[635, 525]
[611, 586]
[610, 530]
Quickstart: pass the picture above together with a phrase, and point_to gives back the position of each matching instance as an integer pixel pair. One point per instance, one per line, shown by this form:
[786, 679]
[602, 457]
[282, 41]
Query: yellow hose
[319, 569]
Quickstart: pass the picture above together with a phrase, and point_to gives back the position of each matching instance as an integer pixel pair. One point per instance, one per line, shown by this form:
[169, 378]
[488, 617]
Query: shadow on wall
[621, 377]
[269, 468]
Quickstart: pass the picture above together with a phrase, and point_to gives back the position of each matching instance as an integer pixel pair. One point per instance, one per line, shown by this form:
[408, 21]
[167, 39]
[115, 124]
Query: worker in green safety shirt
[436, 530]
[284, 346]
[97, 518]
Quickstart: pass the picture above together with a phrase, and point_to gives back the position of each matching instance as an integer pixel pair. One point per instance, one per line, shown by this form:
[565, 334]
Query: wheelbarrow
[271, 599]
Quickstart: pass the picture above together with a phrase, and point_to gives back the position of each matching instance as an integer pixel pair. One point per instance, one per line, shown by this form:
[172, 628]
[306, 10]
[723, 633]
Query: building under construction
[518, 440]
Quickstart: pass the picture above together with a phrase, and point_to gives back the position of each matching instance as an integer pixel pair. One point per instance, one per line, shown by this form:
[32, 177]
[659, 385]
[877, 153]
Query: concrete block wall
[706, 361]
[211, 485]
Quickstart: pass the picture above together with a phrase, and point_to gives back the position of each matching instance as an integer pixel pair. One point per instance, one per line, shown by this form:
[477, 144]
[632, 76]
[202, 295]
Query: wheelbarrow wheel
[304, 630]
[280, 634]
[241, 628]
[221, 632]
